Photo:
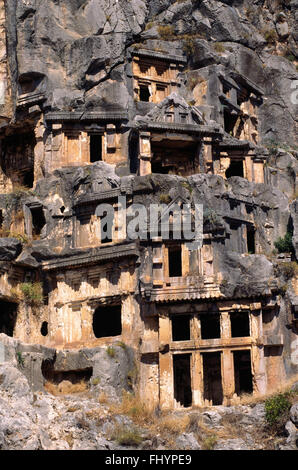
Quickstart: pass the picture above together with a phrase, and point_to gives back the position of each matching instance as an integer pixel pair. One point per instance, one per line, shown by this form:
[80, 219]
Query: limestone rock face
[76, 51]
[9, 248]
[294, 414]
[115, 116]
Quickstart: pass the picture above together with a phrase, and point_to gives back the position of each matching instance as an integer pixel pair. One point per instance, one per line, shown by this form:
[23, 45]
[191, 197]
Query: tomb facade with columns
[206, 323]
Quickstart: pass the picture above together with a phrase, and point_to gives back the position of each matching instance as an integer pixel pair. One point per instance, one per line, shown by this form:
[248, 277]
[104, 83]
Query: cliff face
[76, 50]
[158, 102]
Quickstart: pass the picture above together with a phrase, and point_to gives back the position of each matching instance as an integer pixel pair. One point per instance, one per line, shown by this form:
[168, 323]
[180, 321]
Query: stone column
[258, 167]
[85, 148]
[145, 154]
[208, 157]
[39, 150]
[166, 376]
[257, 353]
[110, 139]
[225, 325]
[185, 260]
[87, 317]
[228, 378]
[197, 380]
[196, 365]
[248, 169]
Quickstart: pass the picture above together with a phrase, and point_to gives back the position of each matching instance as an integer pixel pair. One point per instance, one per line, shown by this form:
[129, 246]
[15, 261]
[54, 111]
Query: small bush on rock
[277, 411]
[288, 270]
[285, 245]
[126, 436]
[166, 32]
[33, 293]
[111, 351]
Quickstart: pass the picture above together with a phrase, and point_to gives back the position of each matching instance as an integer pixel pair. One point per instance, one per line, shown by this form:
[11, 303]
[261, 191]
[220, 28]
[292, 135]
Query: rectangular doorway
[182, 379]
[242, 371]
[213, 391]
[95, 148]
[8, 317]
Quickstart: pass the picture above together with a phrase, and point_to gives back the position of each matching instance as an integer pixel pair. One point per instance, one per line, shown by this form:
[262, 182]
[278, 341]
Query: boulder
[231, 444]
[10, 248]
[294, 414]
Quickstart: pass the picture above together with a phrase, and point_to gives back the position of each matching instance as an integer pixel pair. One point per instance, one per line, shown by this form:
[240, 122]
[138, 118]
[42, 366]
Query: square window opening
[210, 326]
[175, 261]
[240, 325]
[181, 328]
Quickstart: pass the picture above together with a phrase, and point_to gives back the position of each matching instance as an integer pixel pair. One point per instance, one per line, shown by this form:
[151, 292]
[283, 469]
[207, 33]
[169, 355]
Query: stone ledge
[92, 257]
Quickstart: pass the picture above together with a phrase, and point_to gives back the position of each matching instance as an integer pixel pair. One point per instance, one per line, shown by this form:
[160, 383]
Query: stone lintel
[30, 99]
[211, 344]
[98, 255]
[158, 55]
[61, 116]
[181, 128]
[97, 197]
[246, 82]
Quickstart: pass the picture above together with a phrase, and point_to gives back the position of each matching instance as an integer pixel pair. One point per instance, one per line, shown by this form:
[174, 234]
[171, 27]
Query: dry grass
[72, 409]
[172, 424]
[231, 429]
[126, 436]
[66, 388]
[209, 442]
[103, 398]
[132, 406]
[69, 439]
[167, 424]
[248, 399]
[97, 415]
[166, 32]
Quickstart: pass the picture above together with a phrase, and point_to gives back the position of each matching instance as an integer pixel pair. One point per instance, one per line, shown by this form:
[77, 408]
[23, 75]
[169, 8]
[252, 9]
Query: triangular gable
[178, 199]
[173, 109]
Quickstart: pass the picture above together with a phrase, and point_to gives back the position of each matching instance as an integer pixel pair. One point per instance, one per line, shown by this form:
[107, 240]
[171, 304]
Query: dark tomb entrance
[242, 370]
[181, 328]
[182, 379]
[107, 321]
[8, 317]
[213, 390]
[95, 148]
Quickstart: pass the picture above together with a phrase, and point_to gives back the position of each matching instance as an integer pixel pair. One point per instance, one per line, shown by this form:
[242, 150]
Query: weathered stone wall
[156, 102]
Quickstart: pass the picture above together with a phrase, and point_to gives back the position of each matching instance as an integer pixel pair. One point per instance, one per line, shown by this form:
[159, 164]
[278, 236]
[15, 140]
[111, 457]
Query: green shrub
[20, 359]
[283, 289]
[288, 270]
[277, 411]
[290, 57]
[187, 186]
[164, 198]
[285, 245]
[210, 442]
[271, 36]
[210, 217]
[189, 46]
[149, 25]
[166, 32]
[219, 47]
[95, 381]
[111, 351]
[131, 377]
[126, 436]
[32, 292]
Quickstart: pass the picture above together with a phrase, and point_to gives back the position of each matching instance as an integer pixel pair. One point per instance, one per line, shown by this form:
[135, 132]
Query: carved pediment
[173, 109]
